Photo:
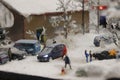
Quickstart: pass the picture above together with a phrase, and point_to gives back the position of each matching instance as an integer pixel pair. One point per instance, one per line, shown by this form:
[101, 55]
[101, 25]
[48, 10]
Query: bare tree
[65, 6]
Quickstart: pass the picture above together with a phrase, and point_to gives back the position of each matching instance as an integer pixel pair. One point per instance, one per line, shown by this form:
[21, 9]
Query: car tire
[2, 62]
[50, 59]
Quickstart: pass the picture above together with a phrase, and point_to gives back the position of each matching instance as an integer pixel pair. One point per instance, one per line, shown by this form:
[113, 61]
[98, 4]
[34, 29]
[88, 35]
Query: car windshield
[3, 54]
[47, 50]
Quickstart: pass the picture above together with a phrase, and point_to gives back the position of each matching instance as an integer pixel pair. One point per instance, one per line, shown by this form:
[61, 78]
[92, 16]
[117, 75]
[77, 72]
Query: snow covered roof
[28, 7]
[26, 41]
[113, 13]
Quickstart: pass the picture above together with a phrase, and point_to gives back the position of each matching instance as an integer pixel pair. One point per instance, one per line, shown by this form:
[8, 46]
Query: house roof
[28, 7]
[26, 41]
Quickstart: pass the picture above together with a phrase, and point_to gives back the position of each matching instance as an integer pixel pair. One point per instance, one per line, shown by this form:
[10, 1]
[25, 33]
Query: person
[40, 34]
[63, 72]
[9, 54]
[54, 41]
[118, 55]
[86, 55]
[67, 61]
[114, 40]
[90, 55]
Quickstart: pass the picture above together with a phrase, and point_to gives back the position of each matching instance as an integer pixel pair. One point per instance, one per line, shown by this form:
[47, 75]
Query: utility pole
[98, 16]
[83, 26]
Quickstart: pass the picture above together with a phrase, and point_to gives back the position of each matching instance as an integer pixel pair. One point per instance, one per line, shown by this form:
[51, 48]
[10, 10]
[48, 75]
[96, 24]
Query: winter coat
[86, 54]
[67, 60]
[64, 50]
[9, 53]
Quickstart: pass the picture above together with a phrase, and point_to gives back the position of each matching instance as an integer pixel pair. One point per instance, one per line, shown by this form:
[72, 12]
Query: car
[30, 46]
[107, 40]
[4, 58]
[103, 55]
[18, 54]
[51, 52]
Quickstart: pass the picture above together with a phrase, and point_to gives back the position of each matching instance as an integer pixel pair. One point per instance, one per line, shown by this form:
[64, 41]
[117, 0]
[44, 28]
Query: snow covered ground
[76, 44]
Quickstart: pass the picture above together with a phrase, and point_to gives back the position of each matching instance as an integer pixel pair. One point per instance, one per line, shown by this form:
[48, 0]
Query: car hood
[15, 50]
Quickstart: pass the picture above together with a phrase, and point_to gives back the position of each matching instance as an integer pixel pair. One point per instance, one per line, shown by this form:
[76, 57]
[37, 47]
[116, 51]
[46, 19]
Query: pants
[68, 64]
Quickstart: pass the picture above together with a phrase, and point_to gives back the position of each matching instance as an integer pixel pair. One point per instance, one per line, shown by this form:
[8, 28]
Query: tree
[64, 5]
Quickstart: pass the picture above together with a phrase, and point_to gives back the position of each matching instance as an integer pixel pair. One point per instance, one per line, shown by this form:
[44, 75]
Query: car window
[47, 50]
[55, 49]
[3, 55]
[61, 46]
[21, 45]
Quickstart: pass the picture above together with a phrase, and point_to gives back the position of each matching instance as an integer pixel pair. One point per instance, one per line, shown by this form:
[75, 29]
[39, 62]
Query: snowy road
[52, 69]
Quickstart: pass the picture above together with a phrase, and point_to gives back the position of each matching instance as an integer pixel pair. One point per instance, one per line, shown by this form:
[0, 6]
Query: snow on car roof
[28, 41]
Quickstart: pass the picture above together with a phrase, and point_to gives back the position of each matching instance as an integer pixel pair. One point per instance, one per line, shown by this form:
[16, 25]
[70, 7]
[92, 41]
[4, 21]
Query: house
[31, 14]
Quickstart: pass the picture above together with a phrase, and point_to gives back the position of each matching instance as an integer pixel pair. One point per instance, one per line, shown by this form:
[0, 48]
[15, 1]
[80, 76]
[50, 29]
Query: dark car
[51, 52]
[18, 54]
[103, 55]
[30, 46]
[3, 57]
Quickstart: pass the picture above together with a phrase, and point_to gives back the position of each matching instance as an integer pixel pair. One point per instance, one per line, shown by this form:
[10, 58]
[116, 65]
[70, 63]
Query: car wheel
[50, 59]
[2, 62]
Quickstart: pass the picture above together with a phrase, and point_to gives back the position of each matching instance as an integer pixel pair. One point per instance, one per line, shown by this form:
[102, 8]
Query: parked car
[18, 54]
[105, 38]
[104, 55]
[51, 52]
[4, 57]
[30, 46]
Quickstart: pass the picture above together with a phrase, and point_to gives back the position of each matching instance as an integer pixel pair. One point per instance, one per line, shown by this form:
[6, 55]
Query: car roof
[55, 44]
[26, 41]
[2, 52]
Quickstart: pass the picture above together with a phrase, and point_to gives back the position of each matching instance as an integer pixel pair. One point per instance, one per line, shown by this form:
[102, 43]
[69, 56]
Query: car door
[54, 53]
[59, 50]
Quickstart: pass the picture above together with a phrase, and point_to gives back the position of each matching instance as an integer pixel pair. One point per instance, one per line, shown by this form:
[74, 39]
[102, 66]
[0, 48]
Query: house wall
[17, 30]
[35, 21]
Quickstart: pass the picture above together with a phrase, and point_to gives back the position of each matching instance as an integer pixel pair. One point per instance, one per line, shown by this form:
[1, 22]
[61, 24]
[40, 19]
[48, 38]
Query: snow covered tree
[64, 5]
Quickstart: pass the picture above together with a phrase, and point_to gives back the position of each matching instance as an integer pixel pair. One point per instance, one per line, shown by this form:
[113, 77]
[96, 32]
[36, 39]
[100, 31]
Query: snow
[96, 70]
[76, 44]
[37, 7]
[6, 17]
